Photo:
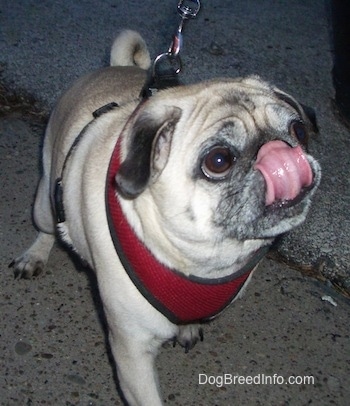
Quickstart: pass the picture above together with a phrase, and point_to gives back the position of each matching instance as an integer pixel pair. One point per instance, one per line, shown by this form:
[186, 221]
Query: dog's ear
[311, 115]
[302, 109]
[148, 150]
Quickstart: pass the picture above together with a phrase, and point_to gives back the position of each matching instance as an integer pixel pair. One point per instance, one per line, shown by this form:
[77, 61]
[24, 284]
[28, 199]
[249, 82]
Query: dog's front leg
[135, 358]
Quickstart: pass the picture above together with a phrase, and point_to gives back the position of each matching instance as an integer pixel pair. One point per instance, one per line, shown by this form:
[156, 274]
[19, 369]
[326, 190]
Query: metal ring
[172, 58]
[188, 10]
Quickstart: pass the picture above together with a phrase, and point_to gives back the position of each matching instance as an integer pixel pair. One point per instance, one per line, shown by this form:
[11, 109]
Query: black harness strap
[58, 190]
[155, 83]
[105, 109]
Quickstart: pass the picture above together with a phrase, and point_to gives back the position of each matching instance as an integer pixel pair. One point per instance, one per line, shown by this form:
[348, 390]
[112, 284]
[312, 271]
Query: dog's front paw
[33, 261]
[27, 266]
[188, 336]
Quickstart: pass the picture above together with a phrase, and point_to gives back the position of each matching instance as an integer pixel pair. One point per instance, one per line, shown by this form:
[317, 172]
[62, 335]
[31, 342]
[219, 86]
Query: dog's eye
[217, 163]
[299, 132]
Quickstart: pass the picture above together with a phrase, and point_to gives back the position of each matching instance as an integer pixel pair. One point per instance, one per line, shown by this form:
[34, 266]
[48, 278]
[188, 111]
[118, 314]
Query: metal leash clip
[187, 9]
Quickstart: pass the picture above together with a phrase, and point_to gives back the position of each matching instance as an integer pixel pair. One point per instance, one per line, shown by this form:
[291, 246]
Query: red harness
[182, 299]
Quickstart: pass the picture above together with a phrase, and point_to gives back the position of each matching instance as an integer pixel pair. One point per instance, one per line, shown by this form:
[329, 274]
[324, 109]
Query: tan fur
[130, 49]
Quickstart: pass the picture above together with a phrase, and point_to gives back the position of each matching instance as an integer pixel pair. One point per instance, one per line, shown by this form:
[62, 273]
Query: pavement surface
[294, 318]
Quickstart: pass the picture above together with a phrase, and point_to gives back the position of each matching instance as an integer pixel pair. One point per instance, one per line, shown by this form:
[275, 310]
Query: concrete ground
[53, 348]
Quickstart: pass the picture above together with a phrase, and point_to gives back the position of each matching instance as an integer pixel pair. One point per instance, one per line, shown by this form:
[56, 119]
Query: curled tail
[129, 49]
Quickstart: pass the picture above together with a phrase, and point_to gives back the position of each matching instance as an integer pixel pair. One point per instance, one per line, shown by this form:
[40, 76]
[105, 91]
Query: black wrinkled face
[226, 169]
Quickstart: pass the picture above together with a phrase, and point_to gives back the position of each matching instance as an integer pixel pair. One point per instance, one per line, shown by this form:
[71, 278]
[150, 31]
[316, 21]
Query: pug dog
[172, 199]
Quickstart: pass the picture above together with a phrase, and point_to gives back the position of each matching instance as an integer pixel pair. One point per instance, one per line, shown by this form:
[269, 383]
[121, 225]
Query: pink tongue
[285, 169]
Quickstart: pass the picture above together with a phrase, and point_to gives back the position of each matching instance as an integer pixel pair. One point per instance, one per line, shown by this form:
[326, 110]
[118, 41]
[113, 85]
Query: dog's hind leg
[135, 358]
